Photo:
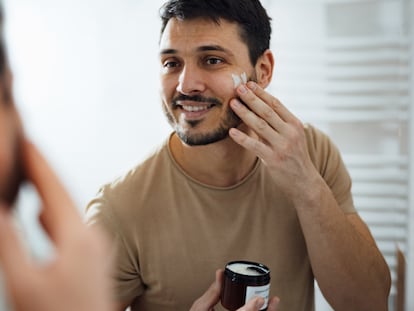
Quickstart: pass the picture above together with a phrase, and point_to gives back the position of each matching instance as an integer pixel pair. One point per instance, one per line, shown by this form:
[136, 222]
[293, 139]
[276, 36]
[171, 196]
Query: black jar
[242, 281]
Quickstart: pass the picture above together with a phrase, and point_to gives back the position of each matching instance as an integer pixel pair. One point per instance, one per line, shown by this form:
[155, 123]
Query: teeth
[194, 108]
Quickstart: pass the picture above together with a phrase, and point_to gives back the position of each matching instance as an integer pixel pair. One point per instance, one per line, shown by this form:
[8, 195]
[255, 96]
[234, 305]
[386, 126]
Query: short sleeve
[328, 161]
[126, 275]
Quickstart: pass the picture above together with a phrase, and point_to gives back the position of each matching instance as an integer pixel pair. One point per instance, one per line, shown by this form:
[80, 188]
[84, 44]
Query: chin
[203, 139]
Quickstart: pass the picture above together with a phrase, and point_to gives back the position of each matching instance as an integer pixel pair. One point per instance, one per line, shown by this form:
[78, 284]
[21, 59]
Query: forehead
[184, 34]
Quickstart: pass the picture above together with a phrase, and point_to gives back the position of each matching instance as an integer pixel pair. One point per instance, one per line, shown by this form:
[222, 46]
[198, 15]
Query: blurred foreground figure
[76, 278]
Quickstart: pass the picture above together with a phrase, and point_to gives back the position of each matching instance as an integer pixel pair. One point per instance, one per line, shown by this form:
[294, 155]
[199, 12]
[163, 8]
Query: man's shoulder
[318, 141]
[130, 190]
[314, 133]
[153, 165]
[322, 148]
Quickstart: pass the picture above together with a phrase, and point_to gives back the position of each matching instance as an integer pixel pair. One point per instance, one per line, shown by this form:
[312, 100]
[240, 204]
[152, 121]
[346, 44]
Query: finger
[256, 146]
[273, 303]
[272, 102]
[59, 213]
[254, 304]
[260, 112]
[13, 258]
[260, 126]
[211, 297]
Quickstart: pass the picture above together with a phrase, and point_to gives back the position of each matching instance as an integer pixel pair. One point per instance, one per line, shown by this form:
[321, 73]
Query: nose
[190, 80]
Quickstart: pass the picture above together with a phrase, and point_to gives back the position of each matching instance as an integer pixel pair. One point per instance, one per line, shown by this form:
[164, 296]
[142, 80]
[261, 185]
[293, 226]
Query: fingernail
[242, 89]
[252, 85]
[277, 301]
[233, 132]
[236, 103]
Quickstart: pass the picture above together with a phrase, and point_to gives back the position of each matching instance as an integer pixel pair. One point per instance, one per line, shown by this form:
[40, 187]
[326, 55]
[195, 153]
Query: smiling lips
[193, 112]
[197, 108]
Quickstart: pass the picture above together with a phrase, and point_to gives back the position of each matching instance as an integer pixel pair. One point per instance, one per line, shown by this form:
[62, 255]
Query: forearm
[349, 268]
[346, 262]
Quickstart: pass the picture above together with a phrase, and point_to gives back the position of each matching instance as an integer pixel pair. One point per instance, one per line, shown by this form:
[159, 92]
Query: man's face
[11, 168]
[198, 59]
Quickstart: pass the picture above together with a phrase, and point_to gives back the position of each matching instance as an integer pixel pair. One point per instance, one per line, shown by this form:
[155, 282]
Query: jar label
[262, 291]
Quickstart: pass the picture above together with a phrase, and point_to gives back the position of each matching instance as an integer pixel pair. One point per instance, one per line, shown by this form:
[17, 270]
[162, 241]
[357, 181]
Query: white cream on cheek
[238, 79]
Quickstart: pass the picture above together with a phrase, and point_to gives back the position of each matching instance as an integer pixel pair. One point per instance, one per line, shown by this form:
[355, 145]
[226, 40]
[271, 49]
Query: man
[77, 277]
[240, 178]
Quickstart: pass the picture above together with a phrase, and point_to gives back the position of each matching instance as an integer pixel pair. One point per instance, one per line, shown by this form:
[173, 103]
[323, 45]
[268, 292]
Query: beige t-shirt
[172, 232]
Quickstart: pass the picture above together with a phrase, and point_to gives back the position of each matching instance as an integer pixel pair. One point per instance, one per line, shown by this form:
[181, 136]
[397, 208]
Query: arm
[77, 282]
[347, 264]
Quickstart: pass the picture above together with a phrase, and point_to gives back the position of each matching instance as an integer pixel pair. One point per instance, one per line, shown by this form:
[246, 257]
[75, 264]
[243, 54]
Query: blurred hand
[77, 277]
[211, 298]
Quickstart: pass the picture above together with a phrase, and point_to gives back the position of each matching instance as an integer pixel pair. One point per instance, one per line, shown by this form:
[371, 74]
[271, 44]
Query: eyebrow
[203, 48]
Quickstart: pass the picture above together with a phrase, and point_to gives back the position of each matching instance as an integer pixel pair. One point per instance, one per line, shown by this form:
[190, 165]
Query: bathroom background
[86, 82]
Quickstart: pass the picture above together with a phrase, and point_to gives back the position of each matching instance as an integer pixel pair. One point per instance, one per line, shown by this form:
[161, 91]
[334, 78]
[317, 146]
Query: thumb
[211, 297]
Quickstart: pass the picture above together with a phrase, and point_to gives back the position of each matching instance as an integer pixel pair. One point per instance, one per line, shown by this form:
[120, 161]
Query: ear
[264, 68]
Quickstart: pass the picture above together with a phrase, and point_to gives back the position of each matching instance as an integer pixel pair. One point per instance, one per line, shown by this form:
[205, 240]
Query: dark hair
[3, 60]
[3, 63]
[253, 21]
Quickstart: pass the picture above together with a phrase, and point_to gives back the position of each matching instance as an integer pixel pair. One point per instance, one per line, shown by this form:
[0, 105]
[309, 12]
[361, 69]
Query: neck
[220, 164]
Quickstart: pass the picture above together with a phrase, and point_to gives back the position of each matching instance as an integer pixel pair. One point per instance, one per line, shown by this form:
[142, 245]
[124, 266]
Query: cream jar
[242, 281]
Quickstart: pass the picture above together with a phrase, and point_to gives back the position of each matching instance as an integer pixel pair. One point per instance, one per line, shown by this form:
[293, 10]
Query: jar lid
[247, 271]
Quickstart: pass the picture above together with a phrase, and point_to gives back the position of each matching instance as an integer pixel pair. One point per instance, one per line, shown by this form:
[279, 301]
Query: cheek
[167, 89]
[224, 86]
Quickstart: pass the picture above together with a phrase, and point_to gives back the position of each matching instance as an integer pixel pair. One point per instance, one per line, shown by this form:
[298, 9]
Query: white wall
[86, 84]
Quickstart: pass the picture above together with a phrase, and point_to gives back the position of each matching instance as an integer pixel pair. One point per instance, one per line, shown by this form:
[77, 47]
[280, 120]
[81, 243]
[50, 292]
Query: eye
[214, 61]
[170, 64]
